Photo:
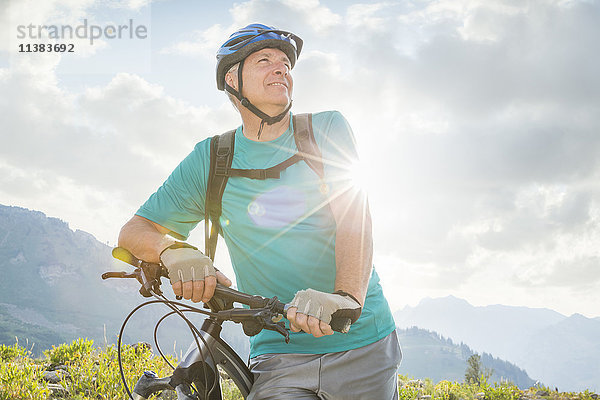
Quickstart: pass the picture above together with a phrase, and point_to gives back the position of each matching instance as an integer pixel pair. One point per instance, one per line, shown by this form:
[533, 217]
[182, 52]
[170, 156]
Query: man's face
[267, 81]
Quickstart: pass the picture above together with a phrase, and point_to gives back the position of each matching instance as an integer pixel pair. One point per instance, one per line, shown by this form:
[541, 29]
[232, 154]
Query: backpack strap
[306, 143]
[221, 157]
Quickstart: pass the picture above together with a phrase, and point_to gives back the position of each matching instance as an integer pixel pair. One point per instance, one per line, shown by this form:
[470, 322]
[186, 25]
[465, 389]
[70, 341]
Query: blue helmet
[252, 38]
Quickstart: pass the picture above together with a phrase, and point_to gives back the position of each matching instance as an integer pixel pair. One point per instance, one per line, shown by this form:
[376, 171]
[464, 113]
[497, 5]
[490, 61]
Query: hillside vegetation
[83, 371]
[428, 354]
[561, 351]
[65, 298]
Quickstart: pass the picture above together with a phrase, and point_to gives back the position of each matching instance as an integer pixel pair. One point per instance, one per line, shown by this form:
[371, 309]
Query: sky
[477, 124]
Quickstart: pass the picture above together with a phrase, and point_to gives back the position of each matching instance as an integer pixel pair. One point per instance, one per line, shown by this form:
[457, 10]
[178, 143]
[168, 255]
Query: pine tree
[476, 373]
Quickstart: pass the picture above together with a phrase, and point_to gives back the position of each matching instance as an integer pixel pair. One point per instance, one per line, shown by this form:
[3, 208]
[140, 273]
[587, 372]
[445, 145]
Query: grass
[411, 389]
[89, 372]
[93, 373]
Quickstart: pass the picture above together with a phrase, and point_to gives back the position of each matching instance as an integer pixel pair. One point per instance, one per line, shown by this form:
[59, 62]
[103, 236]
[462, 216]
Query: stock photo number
[46, 48]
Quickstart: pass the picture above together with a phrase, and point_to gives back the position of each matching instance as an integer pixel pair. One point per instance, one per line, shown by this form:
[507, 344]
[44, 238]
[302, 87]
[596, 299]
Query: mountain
[566, 353]
[426, 354]
[51, 290]
[560, 351]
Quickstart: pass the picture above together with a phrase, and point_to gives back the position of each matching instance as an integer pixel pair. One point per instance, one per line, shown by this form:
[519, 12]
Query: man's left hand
[312, 311]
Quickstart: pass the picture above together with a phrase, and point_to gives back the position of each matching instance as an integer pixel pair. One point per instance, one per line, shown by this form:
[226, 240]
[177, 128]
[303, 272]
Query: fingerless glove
[186, 263]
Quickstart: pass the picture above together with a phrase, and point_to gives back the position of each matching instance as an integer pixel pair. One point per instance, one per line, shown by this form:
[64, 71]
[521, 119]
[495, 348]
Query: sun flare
[360, 176]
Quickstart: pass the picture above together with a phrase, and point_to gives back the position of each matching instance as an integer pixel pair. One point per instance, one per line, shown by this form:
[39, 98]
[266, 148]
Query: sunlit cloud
[476, 124]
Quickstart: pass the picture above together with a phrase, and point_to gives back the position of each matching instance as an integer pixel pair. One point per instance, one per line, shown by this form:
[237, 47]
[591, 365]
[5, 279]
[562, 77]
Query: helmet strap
[265, 118]
[260, 128]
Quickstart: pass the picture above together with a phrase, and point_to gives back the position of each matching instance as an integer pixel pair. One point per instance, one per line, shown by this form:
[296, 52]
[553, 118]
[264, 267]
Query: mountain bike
[197, 377]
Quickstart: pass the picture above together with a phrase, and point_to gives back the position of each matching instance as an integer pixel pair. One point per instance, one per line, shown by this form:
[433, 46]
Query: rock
[55, 376]
[56, 367]
[57, 390]
[415, 383]
[141, 346]
[223, 374]
[167, 395]
[542, 393]
[425, 397]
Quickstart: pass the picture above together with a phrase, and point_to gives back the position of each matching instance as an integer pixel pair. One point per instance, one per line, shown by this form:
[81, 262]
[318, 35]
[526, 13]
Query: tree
[476, 372]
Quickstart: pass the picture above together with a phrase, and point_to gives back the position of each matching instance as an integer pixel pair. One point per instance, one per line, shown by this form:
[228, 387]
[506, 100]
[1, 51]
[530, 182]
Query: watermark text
[83, 31]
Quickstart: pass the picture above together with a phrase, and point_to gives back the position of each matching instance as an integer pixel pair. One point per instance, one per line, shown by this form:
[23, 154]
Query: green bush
[230, 391]
[502, 391]
[10, 353]
[94, 374]
[90, 372]
[411, 389]
[65, 353]
[98, 372]
[22, 380]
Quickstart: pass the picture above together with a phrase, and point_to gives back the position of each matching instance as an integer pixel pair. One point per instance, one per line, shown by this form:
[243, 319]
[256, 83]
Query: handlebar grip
[341, 324]
[124, 255]
[338, 323]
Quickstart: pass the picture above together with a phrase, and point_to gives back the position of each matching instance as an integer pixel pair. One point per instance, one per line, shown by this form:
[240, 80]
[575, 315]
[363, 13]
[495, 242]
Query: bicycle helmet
[252, 38]
[246, 41]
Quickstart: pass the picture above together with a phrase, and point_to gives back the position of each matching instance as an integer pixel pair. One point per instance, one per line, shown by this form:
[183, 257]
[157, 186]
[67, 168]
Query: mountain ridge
[64, 297]
[558, 350]
[422, 349]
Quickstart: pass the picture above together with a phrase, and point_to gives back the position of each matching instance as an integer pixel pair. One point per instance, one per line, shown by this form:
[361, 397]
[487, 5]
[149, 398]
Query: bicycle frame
[209, 350]
[213, 352]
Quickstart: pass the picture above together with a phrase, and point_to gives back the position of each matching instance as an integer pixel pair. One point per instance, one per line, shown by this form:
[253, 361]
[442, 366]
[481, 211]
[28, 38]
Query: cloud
[579, 274]
[368, 16]
[291, 15]
[477, 120]
[532, 59]
[201, 43]
[307, 17]
[135, 5]
[480, 132]
[127, 122]
[89, 156]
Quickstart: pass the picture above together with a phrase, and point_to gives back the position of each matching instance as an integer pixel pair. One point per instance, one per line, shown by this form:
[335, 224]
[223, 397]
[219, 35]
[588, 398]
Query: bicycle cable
[195, 332]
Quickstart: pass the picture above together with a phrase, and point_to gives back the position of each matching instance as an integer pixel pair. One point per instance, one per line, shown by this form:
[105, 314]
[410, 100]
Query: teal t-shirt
[280, 233]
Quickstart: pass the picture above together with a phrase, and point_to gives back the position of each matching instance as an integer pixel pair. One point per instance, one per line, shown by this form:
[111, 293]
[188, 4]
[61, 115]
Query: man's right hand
[191, 273]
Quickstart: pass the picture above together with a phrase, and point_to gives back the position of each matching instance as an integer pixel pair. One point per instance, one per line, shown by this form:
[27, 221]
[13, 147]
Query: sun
[360, 176]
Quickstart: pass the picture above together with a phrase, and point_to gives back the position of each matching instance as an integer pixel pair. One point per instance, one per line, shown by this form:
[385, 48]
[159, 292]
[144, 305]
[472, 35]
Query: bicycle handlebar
[149, 276]
[153, 272]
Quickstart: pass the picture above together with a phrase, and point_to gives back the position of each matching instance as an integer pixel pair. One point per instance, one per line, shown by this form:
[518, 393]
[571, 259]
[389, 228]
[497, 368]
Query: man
[304, 238]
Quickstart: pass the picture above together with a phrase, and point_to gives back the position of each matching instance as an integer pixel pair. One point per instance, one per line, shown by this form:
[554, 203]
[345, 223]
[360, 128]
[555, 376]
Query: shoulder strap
[221, 157]
[306, 143]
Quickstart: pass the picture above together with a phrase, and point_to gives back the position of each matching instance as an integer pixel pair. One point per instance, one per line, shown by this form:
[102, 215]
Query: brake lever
[118, 274]
[278, 327]
[255, 320]
[148, 286]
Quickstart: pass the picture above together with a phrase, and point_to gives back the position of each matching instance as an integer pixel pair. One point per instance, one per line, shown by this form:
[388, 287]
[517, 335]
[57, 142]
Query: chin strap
[265, 118]
[260, 128]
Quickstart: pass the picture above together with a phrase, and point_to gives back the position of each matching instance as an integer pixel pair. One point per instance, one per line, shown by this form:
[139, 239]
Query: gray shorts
[369, 372]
